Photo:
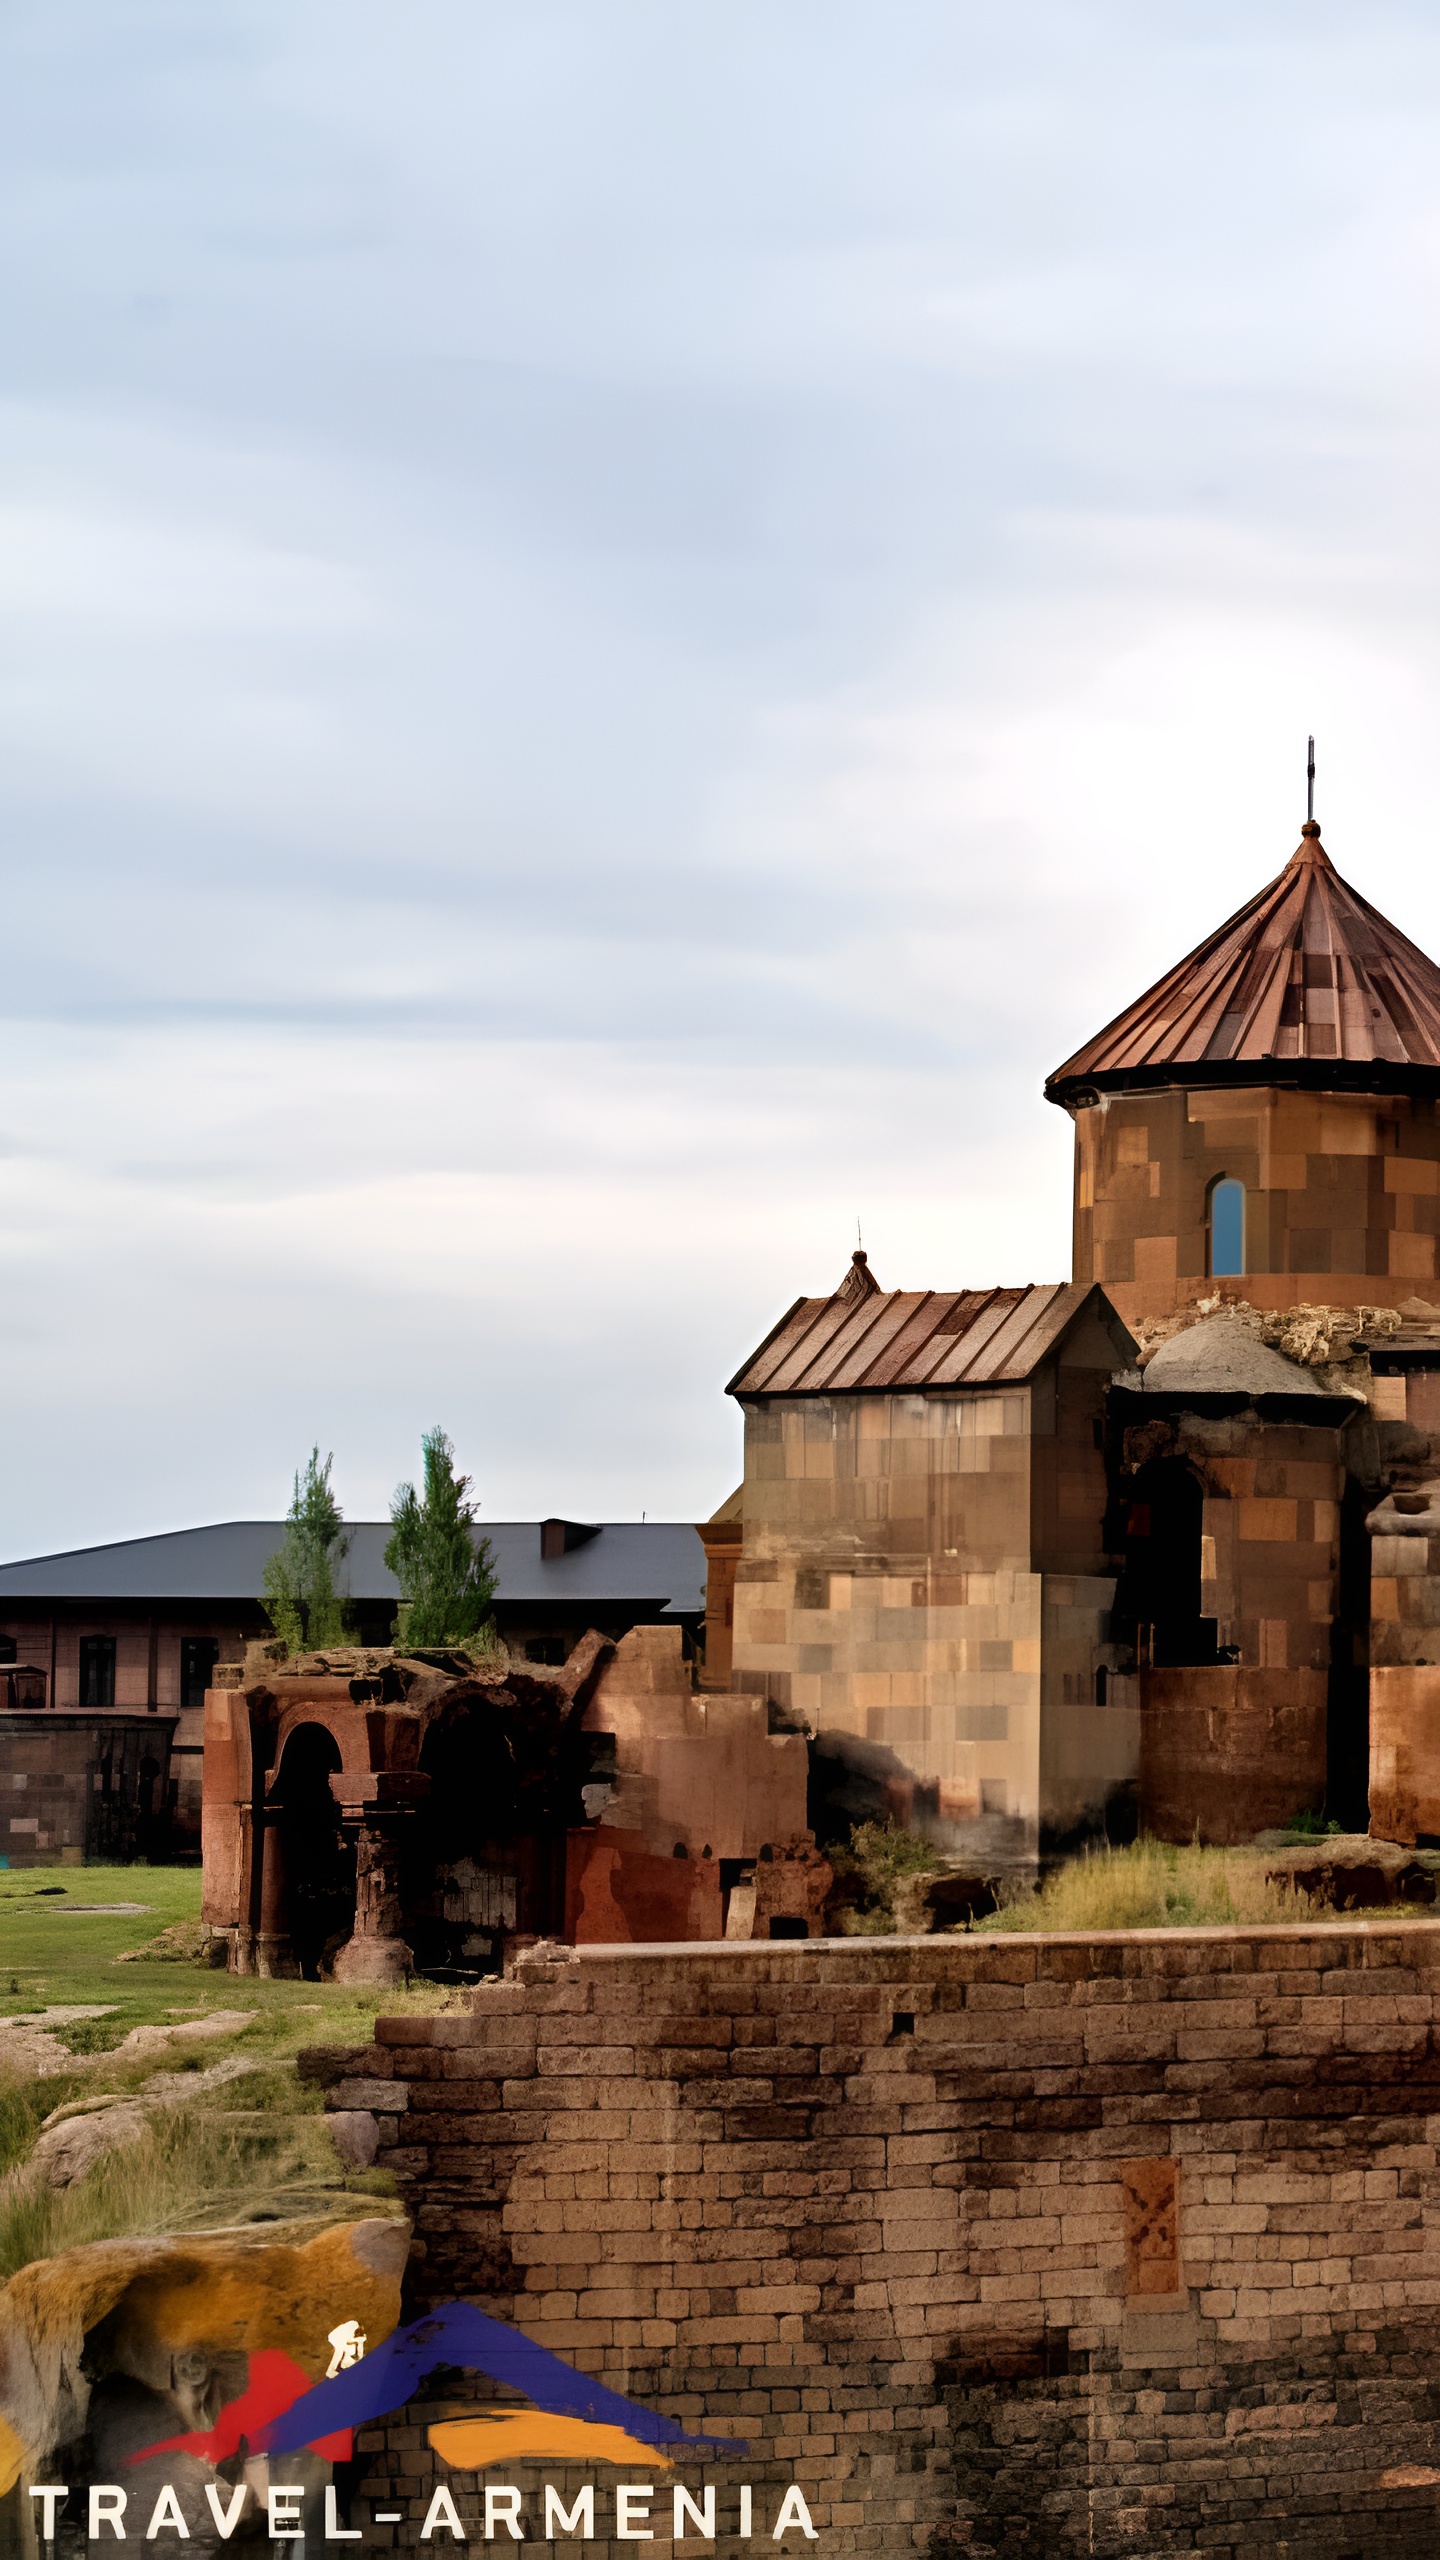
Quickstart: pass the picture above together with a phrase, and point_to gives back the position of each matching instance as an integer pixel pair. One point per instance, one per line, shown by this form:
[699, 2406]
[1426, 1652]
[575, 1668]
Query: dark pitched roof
[656, 1564]
[866, 1339]
[1308, 975]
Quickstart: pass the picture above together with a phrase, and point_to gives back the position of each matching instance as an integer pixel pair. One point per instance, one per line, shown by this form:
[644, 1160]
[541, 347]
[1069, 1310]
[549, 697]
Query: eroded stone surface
[868, 2198]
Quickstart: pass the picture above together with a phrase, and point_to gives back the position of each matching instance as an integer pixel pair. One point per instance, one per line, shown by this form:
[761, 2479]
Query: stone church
[1020, 1568]
[1153, 1544]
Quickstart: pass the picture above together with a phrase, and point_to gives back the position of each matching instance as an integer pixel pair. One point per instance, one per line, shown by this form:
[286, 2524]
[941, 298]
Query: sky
[620, 620]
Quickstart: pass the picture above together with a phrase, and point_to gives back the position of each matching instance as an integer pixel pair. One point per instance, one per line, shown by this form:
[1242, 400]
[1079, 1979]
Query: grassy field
[54, 1949]
[255, 2148]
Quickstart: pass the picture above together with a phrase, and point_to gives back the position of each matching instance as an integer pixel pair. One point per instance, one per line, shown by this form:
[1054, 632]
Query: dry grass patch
[191, 2171]
[1151, 1885]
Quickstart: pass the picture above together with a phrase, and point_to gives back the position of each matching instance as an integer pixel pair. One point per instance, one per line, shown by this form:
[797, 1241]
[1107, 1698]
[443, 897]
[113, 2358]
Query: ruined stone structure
[993, 2246]
[368, 1811]
[136, 1628]
[1033, 1563]
[722, 1537]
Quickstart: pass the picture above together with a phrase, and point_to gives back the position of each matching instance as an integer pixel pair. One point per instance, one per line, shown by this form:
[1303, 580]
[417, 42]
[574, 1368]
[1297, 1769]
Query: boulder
[182, 2316]
[1350, 1872]
[70, 2149]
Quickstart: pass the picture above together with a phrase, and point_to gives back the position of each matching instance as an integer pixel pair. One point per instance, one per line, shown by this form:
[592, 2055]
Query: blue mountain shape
[458, 2334]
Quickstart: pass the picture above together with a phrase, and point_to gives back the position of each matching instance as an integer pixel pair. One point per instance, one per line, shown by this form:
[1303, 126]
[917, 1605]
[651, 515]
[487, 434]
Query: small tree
[446, 1574]
[299, 1580]
[894, 1868]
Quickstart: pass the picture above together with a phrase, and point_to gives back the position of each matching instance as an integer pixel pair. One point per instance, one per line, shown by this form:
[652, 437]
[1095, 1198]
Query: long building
[108, 1651]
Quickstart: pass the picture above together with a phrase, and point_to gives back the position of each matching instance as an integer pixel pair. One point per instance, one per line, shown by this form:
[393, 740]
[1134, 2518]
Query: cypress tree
[446, 1574]
[299, 1581]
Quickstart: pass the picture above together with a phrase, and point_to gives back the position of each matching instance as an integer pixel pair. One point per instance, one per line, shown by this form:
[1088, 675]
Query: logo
[571, 2417]
[348, 2342]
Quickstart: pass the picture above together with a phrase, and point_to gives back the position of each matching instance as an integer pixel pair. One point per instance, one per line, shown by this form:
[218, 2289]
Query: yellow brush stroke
[531, 2435]
[12, 2456]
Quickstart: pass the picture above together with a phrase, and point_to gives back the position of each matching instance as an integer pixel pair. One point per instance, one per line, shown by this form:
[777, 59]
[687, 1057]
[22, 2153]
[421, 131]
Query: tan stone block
[1268, 1519]
[1011, 2287]
[617, 2302]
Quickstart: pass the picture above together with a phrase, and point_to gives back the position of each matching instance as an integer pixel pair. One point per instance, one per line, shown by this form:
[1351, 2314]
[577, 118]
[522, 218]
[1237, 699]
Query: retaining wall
[994, 2245]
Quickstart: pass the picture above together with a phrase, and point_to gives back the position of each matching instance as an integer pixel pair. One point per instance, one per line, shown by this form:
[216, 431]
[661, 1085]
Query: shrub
[893, 1869]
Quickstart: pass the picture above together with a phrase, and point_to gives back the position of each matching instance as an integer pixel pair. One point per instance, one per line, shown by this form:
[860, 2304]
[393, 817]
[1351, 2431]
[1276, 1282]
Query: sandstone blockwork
[1342, 1194]
[1228, 1751]
[993, 2245]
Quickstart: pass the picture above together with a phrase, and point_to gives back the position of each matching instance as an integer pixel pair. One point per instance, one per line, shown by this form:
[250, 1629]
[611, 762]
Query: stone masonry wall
[1012, 2245]
[1342, 1195]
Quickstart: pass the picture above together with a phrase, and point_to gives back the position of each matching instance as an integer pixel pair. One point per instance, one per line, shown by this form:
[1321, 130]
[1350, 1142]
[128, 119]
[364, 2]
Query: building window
[9, 1651]
[551, 1649]
[1227, 1228]
[198, 1657]
[97, 1671]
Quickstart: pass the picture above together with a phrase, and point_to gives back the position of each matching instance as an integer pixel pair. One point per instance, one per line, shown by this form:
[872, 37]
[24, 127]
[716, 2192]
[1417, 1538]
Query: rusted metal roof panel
[868, 1340]
[899, 1315]
[960, 1356]
[1308, 971]
[780, 1340]
[843, 1338]
[928, 1340]
[1009, 1352]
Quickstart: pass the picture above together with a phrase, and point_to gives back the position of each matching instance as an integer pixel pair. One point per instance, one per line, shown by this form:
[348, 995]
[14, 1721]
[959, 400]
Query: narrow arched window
[1227, 1228]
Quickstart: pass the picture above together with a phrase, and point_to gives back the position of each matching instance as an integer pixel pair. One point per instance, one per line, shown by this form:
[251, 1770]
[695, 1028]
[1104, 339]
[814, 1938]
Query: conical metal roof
[1308, 984]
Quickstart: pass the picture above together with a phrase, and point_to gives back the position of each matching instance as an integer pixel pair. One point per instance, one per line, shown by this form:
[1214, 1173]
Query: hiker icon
[348, 2342]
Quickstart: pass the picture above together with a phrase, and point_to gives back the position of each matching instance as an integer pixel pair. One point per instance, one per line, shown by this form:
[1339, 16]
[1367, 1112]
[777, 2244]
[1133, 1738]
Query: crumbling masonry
[1061, 2246]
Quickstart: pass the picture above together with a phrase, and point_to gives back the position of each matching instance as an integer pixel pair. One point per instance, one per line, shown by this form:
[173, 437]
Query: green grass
[254, 2148]
[50, 1956]
[195, 2170]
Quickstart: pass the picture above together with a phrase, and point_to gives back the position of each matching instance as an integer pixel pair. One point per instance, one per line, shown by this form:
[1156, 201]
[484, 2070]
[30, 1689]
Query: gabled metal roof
[1309, 976]
[866, 1340]
[648, 1564]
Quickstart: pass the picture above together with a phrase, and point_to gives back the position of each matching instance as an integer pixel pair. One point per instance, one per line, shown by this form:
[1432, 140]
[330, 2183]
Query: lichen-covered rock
[181, 2317]
[70, 2149]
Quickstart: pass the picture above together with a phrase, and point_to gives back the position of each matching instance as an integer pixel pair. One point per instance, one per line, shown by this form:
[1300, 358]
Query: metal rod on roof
[1310, 785]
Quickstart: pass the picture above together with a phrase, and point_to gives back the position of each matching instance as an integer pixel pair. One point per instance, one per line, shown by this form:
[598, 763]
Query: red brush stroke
[276, 2383]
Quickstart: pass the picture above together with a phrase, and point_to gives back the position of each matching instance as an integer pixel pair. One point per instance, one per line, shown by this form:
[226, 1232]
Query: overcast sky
[621, 620]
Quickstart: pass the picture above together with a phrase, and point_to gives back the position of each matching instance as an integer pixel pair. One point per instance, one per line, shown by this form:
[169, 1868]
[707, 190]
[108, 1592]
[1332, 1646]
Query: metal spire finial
[1310, 785]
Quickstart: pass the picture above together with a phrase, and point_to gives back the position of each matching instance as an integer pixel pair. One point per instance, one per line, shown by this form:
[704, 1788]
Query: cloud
[617, 626]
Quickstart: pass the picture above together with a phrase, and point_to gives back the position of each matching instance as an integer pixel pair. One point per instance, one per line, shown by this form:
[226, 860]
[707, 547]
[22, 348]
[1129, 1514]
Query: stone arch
[311, 1892]
[342, 1725]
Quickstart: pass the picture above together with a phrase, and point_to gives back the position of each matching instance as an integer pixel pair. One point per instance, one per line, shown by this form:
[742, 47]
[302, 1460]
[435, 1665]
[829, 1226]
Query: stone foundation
[1405, 1753]
[996, 2245]
[1229, 1751]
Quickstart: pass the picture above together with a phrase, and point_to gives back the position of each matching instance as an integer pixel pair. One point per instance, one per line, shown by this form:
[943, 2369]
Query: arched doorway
[1160, 1594]
[485, 1854]
[317, 1862]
